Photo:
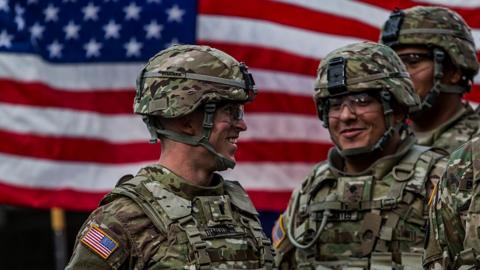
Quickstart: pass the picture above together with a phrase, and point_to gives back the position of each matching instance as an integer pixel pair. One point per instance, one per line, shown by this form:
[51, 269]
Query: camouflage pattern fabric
[454, 240]
[454, 132]
[172, 97]
[438, 27]
[226, 230]
[369, 66]
[377, 218]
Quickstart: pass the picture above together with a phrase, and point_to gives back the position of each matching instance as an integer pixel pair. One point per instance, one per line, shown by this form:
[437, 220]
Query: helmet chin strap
[387, 135]
[439, 87]
[222, 163]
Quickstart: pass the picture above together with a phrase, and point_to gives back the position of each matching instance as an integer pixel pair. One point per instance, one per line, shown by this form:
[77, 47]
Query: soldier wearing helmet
[437, 47]
[179, 213]
[363, 208]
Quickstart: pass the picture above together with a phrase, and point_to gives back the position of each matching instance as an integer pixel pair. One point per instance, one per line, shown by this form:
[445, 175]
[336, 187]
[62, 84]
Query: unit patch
[278, 232]
[99, 242]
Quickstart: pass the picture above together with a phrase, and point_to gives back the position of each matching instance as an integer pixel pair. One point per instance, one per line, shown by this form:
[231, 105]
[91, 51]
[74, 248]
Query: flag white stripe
[368, 14]
[84, 77]
[272, 35]
[130, 128]
[92, 177]
[451, 3]
[28, 68]
[278, 176]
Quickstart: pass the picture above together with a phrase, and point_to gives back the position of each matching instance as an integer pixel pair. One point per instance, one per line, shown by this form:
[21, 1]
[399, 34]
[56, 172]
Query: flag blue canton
[75, 31]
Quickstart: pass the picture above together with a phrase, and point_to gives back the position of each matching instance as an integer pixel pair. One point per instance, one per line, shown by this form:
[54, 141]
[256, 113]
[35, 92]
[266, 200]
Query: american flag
[99, 242]
[67, 78]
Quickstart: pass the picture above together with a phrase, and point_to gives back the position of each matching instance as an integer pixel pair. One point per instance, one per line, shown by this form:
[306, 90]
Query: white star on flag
[5, 39]
[71, 30]
[19, 11]
[112, 30]
[133, 48]
[174, 41]
[51, 13]
[132, 11]
[153, 30]
[92, 48]
[4, 5]
[36, 31]
[90, 12]
[175, 14]
[55, 49]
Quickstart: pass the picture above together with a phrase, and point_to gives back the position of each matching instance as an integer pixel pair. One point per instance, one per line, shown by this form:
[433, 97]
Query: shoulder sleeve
[112, 234]
[101, 243]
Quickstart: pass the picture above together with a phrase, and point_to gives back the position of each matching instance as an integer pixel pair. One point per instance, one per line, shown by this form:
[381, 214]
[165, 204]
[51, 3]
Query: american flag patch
[99, 242]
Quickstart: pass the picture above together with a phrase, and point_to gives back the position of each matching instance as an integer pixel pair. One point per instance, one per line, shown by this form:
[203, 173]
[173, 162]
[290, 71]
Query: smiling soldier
[179, 213]
[365, 207]
[438, 49]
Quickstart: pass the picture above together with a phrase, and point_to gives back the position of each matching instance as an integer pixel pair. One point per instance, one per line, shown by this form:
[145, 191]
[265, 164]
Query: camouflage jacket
[455, 132]
[371, 220]
[170, 224]
[454, 239]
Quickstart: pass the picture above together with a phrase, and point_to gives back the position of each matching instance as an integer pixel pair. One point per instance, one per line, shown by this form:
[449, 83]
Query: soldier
[454, 240]
[437, 47]
[179, 213]
[365, 207]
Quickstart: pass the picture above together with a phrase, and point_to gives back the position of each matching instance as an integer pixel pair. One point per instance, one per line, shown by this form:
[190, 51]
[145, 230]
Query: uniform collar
[379, 168]
[179, 185]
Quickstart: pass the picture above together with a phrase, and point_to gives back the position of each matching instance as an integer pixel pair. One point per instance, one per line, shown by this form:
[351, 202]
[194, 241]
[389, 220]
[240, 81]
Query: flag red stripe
[474, 94]
[94, 240]
[47, 198]
[471, 15]
[86, 201]
[270, 200]
[90, 150]
[121, 102]
[41, 95]
[291, 15]
[268, 58]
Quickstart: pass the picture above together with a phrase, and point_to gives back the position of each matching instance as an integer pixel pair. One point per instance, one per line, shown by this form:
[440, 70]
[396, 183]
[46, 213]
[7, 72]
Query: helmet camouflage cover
[363, 67]
[433, 27]
[179, 79]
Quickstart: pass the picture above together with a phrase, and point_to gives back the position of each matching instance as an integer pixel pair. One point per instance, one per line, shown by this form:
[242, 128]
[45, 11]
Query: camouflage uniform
[374, 219]
[454, 241]
[446, 34]
[157, 219]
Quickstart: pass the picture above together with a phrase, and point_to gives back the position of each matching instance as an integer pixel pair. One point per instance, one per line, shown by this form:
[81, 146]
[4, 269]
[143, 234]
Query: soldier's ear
[191, 124]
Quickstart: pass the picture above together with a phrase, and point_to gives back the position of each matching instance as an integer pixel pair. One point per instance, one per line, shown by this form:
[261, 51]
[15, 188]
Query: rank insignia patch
[278, 232]
[99, 242]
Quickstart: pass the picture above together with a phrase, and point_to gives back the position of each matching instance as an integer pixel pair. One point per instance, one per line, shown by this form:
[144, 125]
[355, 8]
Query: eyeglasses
[231, 112]
[357, 103]
[411, 59]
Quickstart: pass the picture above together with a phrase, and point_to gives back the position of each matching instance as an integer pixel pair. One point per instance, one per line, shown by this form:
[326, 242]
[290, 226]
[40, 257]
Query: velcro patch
[99, 242]
[278, 232]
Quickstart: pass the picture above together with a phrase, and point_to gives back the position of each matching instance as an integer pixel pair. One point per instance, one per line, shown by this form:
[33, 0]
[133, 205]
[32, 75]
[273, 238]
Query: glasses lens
[233, 112]
[358, 104]
[411, 59]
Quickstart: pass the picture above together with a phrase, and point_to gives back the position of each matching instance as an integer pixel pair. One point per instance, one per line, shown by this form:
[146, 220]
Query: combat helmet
[444, 32]
[365, 67]
[180, 79]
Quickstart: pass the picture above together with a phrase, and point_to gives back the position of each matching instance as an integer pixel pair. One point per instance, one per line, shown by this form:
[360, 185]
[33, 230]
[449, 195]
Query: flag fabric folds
[67, 82]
